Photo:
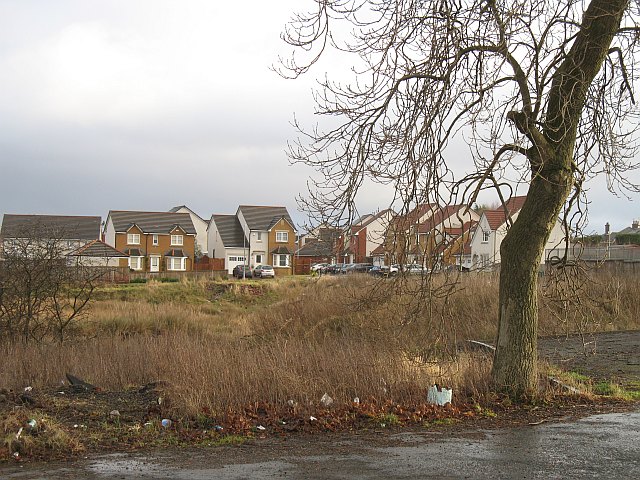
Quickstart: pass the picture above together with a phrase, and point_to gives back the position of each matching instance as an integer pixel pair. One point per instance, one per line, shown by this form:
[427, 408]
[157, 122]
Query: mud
[601, 446]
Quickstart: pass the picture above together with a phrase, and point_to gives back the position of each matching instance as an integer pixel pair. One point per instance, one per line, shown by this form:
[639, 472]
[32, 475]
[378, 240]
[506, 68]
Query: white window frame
[485, 236]
[139, 263]
[155, 240]
[181, 264]
[259, 236]
[277, 258]
[133, 239]
[177, 240]
[282, 236]
[259, 258]
[237, 258]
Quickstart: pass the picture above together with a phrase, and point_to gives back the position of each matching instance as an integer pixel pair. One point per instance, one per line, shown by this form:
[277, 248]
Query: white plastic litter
[437, 396]
[326, 400]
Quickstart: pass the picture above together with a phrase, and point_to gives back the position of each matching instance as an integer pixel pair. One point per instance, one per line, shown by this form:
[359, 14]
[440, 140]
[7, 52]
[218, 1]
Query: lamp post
[244, 249]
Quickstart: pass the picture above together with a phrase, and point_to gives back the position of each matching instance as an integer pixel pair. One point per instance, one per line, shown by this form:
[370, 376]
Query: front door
[154, 265]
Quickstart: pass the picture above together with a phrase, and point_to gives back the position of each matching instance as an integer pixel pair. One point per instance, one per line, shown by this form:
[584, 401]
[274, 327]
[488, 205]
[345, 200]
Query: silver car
[264, 271]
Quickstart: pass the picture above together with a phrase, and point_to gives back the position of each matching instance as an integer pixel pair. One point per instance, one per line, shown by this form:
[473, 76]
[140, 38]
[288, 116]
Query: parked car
[335, 268]
[319, 267]
[344, 267]
[263, 271]
[416, 269]
[379, 271]
[358, 268]
[237, 271]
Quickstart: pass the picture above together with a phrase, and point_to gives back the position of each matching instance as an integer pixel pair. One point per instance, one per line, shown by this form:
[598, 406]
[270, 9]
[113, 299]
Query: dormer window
[133, 239]
[177, 240]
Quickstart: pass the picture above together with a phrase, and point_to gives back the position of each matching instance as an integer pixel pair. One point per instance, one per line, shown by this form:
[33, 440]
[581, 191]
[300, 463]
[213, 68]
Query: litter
[437, 396]
[28, 389]
[218, 428]
[326, 400]
[356, 400]
[18, 434]
[166, 423]
[79, 384]
[32, 423]
[114, 413]
[261, 428]
[312, 418]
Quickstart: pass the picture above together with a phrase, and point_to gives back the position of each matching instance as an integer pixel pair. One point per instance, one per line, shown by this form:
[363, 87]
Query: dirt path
[611, 356]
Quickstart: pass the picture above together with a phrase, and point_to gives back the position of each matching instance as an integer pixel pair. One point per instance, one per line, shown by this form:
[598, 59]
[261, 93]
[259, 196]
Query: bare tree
[43, 290]
[540, 90]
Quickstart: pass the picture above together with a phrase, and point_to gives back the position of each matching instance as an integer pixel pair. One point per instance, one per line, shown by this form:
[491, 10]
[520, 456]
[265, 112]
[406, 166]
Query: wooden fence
[206, 264]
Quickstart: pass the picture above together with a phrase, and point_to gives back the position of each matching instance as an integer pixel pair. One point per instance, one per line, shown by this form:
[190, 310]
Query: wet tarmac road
[603, 446]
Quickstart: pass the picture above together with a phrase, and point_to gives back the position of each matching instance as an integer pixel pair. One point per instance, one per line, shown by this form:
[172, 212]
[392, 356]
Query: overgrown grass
[220, 344]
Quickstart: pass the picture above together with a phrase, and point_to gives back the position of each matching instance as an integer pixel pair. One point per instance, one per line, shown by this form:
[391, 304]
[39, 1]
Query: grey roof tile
[230, 230]
[260, 217]
[52, 226]
[151, 222]
[99, 249]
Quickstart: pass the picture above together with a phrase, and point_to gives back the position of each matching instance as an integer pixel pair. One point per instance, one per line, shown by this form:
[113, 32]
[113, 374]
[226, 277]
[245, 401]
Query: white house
[226, 239]
[266, 227]
[491, 230]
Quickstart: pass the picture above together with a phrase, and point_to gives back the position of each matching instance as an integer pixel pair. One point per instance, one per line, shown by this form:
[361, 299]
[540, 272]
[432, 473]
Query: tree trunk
[516, 358]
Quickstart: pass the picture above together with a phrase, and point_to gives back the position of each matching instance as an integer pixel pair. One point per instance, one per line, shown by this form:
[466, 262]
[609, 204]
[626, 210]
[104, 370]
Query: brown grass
[222, 345]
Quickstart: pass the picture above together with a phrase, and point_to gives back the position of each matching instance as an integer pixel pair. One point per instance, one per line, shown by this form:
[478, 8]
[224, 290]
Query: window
[258, 258]
[282, 237]
[176, 239]
[135, 263]
[236, 259]
[155, 240]
[176, 263]
[281, 260]
[259, 236]
[133, 239]
[485, 236]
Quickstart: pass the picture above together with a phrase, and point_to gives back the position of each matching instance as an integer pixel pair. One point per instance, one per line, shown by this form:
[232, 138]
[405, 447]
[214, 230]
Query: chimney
[606, 228]
[635, 224]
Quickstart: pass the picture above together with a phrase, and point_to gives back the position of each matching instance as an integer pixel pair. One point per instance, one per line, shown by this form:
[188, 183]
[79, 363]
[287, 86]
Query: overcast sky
[148, 104]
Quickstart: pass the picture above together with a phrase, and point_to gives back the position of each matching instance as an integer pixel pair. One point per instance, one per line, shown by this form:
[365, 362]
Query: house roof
[498, 216]
[404, 222]
[439, 215]
[53, 226]
[99, 249]
[175, 252]
[134, 252]
[152, 222]
[177, 208]
[230, 230]
[379, 250]
[260, 217]
[316, 248]
[281, 250]
[369, 219]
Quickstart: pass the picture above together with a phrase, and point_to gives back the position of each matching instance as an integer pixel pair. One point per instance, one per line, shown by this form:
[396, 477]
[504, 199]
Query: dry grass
[222, 345]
